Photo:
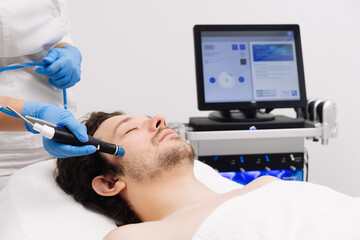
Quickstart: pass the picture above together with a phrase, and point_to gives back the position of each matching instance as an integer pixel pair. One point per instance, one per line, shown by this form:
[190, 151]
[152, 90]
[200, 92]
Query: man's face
[150, 147]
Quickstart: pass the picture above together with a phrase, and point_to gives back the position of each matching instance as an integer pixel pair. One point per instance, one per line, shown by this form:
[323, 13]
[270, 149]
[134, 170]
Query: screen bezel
[202, 105]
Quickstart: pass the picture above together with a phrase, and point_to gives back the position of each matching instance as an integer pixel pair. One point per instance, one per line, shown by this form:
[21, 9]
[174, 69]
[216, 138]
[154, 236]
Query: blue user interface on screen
[249, 66]
[247, 176]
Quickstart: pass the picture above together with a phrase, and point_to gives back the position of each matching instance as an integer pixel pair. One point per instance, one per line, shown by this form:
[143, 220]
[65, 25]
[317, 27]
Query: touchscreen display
[249, 66]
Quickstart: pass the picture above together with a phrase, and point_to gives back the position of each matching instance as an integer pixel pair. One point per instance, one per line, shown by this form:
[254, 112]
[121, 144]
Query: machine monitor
[247, 68]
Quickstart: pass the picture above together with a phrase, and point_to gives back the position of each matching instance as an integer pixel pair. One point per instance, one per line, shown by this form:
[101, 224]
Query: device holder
[321, 113]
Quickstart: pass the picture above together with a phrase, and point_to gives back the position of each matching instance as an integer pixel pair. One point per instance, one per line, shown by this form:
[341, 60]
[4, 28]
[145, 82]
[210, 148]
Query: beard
[179, 153]
[170, 158]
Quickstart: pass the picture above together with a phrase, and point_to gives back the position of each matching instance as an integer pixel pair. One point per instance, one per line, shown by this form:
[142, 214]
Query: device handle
[64, 135]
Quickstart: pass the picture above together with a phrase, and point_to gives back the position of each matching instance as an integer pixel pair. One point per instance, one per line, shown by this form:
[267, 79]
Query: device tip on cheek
[121, 152]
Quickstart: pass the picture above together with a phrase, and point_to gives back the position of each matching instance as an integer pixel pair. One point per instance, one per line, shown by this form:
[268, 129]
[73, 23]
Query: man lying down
[152, 191]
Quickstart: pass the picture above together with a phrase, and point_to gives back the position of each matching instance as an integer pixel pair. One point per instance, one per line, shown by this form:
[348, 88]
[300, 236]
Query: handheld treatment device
[326, 111]
[311, 108]
[62, 134]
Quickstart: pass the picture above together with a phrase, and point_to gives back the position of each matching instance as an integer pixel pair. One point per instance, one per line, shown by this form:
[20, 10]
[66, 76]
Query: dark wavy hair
[75, 174]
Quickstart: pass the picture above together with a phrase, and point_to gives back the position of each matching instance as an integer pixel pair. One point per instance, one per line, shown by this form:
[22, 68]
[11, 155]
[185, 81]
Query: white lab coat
[28, 30]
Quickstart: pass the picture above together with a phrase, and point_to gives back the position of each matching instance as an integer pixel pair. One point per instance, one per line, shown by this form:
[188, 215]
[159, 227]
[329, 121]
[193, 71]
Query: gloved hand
[63, 67]
[60, 117]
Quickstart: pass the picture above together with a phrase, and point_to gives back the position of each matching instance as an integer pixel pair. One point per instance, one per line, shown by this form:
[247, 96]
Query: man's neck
[160, 197]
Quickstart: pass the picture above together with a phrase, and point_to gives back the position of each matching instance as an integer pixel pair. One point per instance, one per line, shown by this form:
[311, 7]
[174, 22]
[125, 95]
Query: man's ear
[106, 186]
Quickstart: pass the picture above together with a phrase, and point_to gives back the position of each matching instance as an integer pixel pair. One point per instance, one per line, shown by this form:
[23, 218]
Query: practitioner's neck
[160, 197]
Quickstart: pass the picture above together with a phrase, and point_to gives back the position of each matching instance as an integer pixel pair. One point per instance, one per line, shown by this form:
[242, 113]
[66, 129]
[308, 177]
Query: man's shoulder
[255, 184]
[136, 231]
[261, 181]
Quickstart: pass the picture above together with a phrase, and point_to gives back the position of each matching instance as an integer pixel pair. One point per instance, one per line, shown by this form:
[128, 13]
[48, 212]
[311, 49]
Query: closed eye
[129, 130]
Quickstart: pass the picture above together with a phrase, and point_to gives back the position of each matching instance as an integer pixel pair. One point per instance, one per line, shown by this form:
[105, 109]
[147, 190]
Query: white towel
[285, 210]
[212, 179]
[33, 207]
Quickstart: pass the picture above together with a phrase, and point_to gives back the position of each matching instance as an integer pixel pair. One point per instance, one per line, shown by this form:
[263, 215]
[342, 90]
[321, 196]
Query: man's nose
[158, 121]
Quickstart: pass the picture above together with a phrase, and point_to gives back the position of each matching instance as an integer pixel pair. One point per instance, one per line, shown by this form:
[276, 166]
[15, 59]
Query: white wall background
[138, 57]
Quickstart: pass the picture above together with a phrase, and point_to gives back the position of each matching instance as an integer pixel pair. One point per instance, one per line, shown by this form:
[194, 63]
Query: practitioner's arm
[8, 123]
[50, 113]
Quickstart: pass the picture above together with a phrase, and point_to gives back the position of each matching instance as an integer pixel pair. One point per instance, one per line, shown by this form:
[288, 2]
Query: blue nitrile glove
[60, 117]
[63, 67]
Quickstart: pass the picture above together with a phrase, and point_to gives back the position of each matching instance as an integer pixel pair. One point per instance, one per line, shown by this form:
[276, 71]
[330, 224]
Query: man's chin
[174, 155]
